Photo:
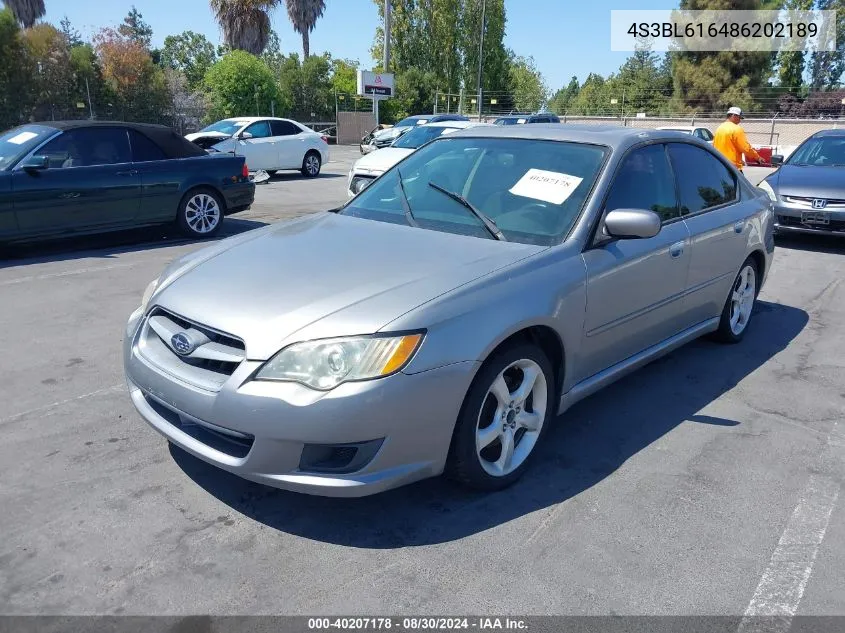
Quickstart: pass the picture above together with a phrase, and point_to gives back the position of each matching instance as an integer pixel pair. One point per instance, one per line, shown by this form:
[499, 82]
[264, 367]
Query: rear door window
[703, 180]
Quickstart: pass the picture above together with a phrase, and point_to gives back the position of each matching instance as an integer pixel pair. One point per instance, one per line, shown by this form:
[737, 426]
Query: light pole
[386, 63]
[481, 53]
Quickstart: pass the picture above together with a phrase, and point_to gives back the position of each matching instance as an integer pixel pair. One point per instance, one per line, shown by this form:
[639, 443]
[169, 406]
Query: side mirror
[632, 223]
[244, 136]
[777, 159]
[35, 164]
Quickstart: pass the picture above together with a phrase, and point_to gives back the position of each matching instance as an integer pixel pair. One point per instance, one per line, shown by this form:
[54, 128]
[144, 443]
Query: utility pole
[481, 53]
[386, 64]
[90, 107]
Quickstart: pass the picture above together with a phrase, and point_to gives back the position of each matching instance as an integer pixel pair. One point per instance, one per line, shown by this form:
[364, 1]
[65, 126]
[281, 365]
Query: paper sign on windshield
[548, 186]
[23, 137]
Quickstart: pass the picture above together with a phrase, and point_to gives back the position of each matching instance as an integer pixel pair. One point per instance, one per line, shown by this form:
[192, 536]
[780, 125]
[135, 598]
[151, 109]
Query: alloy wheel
[312, 165]
[742, 299]
[511, 417]
[202, 213]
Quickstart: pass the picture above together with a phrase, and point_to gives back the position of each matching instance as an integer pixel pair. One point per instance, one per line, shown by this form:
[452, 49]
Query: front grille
[214, 357]
[808, 202]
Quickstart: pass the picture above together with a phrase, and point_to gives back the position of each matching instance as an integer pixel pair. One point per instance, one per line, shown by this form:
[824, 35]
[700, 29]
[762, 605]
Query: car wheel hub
[742, 299]
[511, 417]
[202, 213]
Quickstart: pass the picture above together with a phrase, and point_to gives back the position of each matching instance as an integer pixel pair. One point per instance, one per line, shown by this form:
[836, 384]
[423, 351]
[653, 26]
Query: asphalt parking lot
[706, 483]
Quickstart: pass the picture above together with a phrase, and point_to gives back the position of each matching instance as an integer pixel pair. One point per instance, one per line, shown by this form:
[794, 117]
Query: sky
[565, 37]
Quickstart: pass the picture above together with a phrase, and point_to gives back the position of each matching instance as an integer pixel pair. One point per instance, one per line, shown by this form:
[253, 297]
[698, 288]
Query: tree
[26, 12]
[240, 84]
[70, 34]
[307, 88]
[245, 23]
[496, 75]
[790, 62]
[273, 55]
[15, 73]
[53, 81]
[826, 67]
[592, 98]
[137, 84]
[642, 84]
[303, 15]
[526, 84]
[563, 98]
[191, 54]
[187, 106]
[344, 76]
[710, 82]
[135, 29]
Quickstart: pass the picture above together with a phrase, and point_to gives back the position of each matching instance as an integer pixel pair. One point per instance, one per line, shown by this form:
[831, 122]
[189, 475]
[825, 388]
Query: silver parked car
[808, 190]
[443, 317]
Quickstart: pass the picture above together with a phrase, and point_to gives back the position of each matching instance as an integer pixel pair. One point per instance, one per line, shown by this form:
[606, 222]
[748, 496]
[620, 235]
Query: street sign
[375, 84]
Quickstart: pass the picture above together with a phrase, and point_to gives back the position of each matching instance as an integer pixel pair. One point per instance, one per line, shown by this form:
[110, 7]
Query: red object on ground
[765, 156]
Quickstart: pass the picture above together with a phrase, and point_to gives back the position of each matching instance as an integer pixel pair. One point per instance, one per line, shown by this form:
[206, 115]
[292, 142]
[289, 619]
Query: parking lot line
[783, 582]
[59, 403]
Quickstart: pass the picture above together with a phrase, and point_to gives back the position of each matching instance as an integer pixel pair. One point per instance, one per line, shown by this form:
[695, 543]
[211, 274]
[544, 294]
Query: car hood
[380, 161]
[196, 135]
[325, 275]
[810, 181]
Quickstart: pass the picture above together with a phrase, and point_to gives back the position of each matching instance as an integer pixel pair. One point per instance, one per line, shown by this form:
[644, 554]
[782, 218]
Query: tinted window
[143, 149]
[88, 146]
[284, 128]
[703, 180]
[261, 129]
[645, 181]
[499, 176]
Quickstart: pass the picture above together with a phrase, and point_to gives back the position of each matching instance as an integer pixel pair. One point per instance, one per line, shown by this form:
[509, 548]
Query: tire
[739, 306]
[311, 164]
[201, 213]
[476, 455]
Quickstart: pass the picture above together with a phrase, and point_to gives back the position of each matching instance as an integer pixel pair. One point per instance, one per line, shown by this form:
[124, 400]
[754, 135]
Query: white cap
[735, 111]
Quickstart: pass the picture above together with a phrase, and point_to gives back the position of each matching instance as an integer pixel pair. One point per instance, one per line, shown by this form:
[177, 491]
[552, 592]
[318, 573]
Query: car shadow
[284, 176]
[812, 243]
[110, 245]
[586, 445]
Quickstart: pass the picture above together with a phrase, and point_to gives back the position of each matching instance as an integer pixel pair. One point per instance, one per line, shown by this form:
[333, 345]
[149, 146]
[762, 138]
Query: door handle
[129, 172]
[739, 227]
[677, 249]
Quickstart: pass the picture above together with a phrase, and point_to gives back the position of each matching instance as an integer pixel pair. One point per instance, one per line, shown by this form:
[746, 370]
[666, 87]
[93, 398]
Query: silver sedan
[442, 318]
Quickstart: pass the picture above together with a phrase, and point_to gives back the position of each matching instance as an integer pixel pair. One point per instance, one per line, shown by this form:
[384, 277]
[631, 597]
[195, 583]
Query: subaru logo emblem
[182, 344]
[819, 203]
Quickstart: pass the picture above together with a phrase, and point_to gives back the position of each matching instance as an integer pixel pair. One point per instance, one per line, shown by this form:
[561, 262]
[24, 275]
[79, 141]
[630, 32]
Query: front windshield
[822, 151]
[227, 126]
[411, 122]
[419, 136]
[533, 190]
[18, 142]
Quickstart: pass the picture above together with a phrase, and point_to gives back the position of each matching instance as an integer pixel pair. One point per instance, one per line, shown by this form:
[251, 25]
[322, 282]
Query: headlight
[769, 191]
[359, 183]
[326, 363]
[148, 294]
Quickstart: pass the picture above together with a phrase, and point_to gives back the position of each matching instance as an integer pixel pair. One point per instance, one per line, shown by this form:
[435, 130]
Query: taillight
[325, 139]
[245, 171]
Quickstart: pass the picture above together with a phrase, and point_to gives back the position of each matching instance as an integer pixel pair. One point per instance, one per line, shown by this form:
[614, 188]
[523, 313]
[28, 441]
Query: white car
[268, 143]
[372, 165]
[699, 132]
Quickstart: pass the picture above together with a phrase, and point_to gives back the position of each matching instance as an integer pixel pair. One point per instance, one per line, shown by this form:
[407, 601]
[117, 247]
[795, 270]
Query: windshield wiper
[409, 215]
[487, 221]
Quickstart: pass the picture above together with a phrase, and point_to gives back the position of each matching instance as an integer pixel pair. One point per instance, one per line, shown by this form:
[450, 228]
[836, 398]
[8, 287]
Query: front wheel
[739, 306]
[200, 213]
[311, 164]
[504, 415]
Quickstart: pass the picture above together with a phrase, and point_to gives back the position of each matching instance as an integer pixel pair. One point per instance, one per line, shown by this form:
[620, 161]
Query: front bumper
[793, 218]
[409, 417]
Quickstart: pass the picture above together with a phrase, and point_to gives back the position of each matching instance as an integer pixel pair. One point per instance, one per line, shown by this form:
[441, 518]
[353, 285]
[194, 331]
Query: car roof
[831, 132]
[678, 127]
[169, 141]
[614, 136]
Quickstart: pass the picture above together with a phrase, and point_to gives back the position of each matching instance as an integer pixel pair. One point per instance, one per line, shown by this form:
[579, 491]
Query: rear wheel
[504, 415]
[311, 164]
[200, 213]
[739, 306]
